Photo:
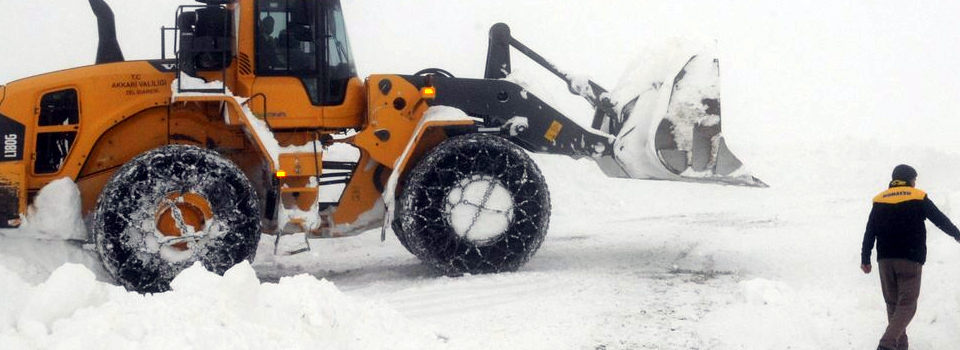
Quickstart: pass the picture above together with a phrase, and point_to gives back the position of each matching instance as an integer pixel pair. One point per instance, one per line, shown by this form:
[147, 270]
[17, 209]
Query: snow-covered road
[627, 265]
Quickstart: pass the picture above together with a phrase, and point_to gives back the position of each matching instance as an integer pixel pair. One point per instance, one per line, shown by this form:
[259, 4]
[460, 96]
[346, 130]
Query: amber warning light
[428, 92]
[281, 174]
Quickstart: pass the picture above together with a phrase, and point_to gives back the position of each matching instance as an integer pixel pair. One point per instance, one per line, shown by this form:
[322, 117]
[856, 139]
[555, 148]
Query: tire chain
[482, 158]
[167, 169]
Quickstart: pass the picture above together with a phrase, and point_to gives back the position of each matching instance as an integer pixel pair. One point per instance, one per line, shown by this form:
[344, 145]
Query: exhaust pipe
[108, 49]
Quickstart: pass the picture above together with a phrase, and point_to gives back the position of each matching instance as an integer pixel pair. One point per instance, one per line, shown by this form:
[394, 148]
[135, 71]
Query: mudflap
[9, 205]
[669, 125]
[12, 193]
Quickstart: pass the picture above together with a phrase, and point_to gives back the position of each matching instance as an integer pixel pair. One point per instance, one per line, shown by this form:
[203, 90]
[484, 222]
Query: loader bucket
[669, 123]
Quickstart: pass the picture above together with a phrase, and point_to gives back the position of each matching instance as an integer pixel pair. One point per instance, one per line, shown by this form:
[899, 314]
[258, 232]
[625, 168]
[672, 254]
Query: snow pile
[12, 289]
[55, 212]
[203, 311]
[656, 67]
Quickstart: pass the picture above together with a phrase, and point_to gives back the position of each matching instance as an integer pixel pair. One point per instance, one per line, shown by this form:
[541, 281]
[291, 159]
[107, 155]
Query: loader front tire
[171, 207]
[476, 204]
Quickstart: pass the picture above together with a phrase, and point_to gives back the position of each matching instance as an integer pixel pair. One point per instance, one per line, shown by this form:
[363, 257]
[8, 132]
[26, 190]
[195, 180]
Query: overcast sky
[791, 70]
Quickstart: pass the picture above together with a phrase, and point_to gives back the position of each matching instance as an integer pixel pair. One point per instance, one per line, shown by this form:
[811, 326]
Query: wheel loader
[257, 123]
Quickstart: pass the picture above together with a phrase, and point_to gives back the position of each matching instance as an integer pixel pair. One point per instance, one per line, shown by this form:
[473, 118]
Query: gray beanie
[904, 172]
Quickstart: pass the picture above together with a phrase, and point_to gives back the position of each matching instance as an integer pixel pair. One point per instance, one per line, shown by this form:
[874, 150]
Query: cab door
[304, 67]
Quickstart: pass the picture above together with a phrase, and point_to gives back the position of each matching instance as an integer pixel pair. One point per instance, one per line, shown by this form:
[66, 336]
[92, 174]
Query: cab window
[308, 40]
[286, 43]
[340, 66]
[57, 126]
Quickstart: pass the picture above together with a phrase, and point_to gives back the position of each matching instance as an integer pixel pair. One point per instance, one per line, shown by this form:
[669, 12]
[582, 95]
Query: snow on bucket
[669, 126]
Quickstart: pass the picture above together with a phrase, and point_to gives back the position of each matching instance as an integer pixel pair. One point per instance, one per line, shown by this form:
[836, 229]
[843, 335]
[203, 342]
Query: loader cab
[305, 39]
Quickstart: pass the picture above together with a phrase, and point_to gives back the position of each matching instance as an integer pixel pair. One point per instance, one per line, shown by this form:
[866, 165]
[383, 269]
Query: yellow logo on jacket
[899, 195]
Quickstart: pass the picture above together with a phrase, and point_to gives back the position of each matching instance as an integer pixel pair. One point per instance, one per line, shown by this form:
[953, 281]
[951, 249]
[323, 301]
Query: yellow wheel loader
[258, 123]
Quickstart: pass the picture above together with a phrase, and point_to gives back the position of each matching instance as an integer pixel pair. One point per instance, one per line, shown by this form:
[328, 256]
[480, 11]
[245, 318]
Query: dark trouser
[900, 280]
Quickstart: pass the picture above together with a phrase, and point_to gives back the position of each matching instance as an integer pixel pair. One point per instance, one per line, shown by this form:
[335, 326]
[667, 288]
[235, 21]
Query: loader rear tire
[171, 207]
[476, 204]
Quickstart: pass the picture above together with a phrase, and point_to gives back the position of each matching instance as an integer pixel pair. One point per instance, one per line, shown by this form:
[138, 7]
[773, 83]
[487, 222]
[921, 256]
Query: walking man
[896, 224]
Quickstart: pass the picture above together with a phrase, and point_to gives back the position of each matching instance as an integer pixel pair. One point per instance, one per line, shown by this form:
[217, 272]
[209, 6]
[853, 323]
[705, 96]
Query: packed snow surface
[627, 264]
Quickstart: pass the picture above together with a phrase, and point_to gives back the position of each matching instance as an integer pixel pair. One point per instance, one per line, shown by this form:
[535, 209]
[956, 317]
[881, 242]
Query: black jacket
[897, 225]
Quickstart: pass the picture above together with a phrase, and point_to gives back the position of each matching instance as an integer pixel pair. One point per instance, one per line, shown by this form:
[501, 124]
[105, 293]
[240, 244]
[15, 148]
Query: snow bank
[52, 233]
[203, 311]
[12, 288]
[55, 212]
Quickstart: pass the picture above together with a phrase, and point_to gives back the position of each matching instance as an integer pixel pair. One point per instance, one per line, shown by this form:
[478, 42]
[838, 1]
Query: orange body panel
[300, 164]
[394, 125]
[358, 209]
[289, 107]
[395, 122]
[107, 96]
[193, 124]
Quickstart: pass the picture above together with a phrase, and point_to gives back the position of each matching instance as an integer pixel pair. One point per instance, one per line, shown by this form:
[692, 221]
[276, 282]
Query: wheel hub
[182, 218]
[480, 208]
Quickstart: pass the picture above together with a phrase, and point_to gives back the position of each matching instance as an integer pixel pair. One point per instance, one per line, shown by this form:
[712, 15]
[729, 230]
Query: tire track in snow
[470, 294]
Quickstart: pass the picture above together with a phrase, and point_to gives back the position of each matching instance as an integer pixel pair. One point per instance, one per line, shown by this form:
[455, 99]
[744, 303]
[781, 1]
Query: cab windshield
[305, 39]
